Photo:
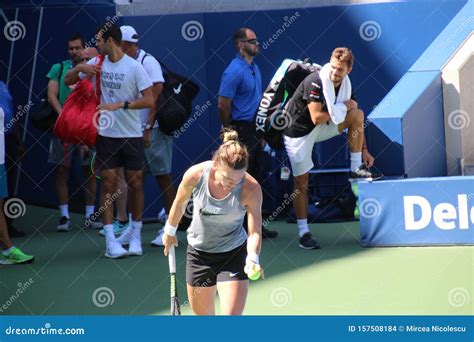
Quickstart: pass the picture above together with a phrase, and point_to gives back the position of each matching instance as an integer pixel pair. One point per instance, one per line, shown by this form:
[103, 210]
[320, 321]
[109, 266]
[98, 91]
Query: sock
[137, 225]
[64, 210]
[356, 160]
[89, 210]
[137, 228]
[302, 227]
[7, 251]
[109, 232]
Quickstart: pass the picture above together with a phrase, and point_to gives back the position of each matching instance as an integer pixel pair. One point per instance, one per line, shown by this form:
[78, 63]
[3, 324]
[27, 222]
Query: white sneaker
[158, 242]
[162, 217]
[114, 250]
[126, 236]
[135, 247]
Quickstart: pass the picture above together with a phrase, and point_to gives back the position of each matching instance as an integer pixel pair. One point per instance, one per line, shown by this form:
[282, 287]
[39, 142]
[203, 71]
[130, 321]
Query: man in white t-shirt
[120, 140]
[158, 145]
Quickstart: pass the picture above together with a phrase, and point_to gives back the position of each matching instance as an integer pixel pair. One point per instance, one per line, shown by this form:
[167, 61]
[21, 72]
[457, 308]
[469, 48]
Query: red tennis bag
[78, 121]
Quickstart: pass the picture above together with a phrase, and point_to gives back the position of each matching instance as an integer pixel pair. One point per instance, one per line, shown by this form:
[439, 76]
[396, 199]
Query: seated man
[322, 107]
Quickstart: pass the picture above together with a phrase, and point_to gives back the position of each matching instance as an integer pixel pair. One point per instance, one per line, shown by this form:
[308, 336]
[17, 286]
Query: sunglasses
[251, 41]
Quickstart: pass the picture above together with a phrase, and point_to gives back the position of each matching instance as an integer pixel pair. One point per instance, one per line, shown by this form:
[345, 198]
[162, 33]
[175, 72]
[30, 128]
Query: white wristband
[253, 258]
[169, 229]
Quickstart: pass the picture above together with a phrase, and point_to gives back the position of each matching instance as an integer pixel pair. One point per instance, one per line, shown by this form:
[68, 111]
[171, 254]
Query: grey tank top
[216, 226]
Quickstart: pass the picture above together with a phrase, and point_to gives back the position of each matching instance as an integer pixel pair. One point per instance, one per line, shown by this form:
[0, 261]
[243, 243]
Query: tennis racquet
[93, 166]
[175, 310]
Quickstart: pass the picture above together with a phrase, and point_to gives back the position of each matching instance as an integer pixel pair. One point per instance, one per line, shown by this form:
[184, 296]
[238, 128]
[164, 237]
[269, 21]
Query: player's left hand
[249, 267]
[367, 158]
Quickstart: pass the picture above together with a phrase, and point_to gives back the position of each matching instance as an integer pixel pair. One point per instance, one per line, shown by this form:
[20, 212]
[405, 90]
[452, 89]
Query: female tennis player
[220, 253]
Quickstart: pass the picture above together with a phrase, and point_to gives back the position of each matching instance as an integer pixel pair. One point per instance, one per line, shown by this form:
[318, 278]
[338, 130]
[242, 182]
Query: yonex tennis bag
[271, 117]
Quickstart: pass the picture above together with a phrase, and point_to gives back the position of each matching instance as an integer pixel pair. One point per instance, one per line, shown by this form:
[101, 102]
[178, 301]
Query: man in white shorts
[311, 122]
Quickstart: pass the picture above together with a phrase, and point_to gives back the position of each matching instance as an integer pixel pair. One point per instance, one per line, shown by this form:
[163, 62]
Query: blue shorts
[57, 153]
[159, 155]
[3, 182]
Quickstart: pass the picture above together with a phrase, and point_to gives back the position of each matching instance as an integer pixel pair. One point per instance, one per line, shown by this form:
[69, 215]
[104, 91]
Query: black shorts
[206, 269]
[119, 152]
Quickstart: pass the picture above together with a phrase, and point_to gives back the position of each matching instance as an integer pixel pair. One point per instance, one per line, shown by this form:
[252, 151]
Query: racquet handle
[172, 259]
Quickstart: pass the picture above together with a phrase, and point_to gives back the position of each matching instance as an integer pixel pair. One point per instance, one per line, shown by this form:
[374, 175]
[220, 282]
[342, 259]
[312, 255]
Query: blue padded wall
[417, 101]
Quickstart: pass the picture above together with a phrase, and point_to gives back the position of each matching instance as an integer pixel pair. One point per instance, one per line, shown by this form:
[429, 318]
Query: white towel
[336, 107]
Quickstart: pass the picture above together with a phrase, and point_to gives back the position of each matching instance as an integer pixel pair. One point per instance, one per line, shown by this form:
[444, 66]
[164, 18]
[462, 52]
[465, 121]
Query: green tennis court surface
[70, 275]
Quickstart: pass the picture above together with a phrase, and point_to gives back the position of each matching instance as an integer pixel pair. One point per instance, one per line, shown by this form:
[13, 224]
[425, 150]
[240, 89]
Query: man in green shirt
[58, 92]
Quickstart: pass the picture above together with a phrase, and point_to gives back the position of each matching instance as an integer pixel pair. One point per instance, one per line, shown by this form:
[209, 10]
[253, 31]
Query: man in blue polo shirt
[239, 95]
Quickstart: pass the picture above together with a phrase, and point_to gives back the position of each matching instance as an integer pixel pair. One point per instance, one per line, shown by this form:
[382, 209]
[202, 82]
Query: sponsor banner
[419, 211]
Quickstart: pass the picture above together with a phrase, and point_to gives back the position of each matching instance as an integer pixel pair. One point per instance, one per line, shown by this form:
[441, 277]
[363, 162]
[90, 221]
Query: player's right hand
[169, 241]
[350, 104]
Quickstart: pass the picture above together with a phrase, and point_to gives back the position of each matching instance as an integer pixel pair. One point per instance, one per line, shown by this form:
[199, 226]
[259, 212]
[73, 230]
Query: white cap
[129, 34]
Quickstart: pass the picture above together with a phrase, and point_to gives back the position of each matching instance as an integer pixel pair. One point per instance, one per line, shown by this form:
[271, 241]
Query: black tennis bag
[176, 100]
[42, 115]
[272, 117]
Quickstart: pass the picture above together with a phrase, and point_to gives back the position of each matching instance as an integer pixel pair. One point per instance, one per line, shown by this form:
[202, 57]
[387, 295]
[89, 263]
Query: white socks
[64, 210]
[302, 227]
[109, 232]
[356, 160]
[137, 228]
[89, 210]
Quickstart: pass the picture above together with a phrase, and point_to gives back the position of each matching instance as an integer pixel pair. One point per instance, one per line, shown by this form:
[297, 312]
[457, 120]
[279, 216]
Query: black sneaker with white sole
[363, 173]
[92, 222]
[64, 224]
[307, 242]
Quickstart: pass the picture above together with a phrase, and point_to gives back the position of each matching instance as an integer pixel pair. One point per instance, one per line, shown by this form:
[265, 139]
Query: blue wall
[407, 129]
[406, 30]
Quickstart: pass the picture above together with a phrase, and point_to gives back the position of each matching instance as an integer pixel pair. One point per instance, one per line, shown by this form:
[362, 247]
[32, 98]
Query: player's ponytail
[232, 152]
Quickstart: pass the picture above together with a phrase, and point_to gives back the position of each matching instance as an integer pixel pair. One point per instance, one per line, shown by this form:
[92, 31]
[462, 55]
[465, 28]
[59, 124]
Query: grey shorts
[158, 156]
[57, 153]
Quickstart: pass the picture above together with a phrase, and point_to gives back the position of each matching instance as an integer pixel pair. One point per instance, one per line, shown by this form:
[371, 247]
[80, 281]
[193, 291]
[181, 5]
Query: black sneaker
[363, 173]
[307, 242]
[92, 222]
[64, 224]
[268, 234]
